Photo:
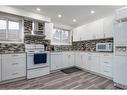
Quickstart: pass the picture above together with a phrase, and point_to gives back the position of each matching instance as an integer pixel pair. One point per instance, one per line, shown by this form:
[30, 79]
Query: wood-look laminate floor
[60, 80]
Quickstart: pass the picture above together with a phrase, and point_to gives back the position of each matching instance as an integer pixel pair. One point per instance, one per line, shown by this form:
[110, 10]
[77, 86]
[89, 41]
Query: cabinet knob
[14, 73]
[106, 62]
[14, 63]
[106, 71]
[15, 55]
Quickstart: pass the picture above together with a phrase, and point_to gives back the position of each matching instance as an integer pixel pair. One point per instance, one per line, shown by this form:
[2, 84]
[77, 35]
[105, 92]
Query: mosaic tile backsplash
[12, 48]
[89, 45]
[31, 39]
[76, 46]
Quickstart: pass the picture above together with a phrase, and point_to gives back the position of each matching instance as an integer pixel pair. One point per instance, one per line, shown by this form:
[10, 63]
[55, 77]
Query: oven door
[30, 62]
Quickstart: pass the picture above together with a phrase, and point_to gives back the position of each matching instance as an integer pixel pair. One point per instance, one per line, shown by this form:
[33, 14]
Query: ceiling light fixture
[92, 12]
[74, 20]
[38, 9]
[59, 16]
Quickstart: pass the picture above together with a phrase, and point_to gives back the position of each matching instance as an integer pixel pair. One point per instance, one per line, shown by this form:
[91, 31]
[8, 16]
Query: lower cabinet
[0, 68]
[100, 63]
[106, 61]
[93, 62]
[56, 61]
[80, 59]
[68, 59]
[62, 60]
[13, 66]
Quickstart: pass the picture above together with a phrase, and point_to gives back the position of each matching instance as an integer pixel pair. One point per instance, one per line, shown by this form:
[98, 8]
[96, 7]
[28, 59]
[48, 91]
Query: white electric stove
[36, 70]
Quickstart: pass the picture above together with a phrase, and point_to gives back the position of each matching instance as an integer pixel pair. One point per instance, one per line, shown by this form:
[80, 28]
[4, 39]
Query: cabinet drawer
[106, 61]
[13, 64]
[6, 75]
[107, 55]
[16, 55]
[107, 71]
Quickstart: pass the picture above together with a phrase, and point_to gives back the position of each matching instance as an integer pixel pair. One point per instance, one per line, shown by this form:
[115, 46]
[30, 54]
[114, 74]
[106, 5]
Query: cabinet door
[48, 30]
[88, 63]
[70, 59]
[65, 60]
[108, 28]
[89, 31]
[0, 67]
[120, 33]
[76, 34]
[95, 64]
[120, 69]
[77, 59]
[56, 61]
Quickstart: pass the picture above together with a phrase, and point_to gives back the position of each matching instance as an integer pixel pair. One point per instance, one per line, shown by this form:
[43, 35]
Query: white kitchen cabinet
[93, 62]
[108, 26]
[68, 59]
[0, 68]
[77, 59]
[13, 66]
[77, 34]
[120, 33]
[121, 13]
[80, 59]
[48, 30]
[83, 60]
[106, 61]
[102, 28]
[56, 61]
[95, 29]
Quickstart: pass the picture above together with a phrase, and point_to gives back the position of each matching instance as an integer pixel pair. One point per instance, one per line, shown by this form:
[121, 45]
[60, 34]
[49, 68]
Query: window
[65, 36]
[56, 36]
[13, 30]
[10, 30]
[3, 28]
[61, 36]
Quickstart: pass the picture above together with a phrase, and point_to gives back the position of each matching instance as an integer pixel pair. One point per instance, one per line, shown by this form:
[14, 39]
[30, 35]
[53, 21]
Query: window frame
[60, 42]
[20, 34]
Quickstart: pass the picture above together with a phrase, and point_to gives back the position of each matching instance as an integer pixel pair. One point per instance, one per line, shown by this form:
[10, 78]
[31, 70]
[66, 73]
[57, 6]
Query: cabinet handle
[14, 55]
[81, 56]
[106, 62]
[14, 73]
[104, 35]
[106, 71]
[69, 56]
[89, 57]
[14, 63]
[106, 55]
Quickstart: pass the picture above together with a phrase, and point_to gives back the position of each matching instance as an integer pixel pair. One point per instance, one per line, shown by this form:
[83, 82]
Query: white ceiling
[80, 13]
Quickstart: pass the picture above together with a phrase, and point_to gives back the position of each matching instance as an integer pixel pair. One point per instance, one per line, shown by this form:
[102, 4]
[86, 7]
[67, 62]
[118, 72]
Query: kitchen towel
[40, 58]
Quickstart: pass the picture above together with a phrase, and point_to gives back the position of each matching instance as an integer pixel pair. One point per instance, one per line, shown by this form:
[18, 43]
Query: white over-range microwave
[104, 47]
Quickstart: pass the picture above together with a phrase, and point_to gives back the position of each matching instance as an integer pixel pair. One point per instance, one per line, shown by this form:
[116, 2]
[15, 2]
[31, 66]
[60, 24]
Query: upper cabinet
[102, 28]
[38, 28]
[34, 27]
[108, 26]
